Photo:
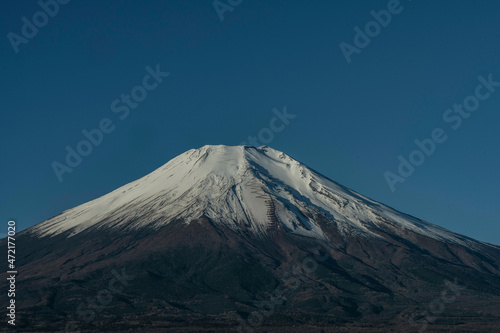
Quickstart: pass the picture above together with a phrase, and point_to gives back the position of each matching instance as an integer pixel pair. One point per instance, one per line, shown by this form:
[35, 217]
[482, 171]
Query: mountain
[243, 239]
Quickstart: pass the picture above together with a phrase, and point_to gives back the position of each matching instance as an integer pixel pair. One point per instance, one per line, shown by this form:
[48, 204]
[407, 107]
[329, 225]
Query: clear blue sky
[353, 119]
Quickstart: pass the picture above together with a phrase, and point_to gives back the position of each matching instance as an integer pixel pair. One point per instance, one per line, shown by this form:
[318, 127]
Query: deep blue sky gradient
[353, 120]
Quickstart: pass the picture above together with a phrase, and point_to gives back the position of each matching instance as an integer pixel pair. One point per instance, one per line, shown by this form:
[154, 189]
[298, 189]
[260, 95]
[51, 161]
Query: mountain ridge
[232, 183]
[212, 233]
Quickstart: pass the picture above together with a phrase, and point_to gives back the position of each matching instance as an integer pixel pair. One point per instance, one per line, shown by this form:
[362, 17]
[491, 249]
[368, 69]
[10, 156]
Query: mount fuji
[213, 239]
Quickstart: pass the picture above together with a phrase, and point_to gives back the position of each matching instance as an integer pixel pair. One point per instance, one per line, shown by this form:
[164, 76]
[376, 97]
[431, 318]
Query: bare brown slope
[203, 275]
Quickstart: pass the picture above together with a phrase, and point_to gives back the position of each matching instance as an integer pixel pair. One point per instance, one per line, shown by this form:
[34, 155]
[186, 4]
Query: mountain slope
[218, 231]
[231, 185]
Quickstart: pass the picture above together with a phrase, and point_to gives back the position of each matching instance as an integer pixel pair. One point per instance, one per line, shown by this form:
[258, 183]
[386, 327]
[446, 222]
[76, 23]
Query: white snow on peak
[242, 187]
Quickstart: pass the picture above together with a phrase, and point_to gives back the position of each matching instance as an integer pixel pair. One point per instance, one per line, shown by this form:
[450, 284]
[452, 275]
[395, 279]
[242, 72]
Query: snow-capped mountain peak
[260, 190]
